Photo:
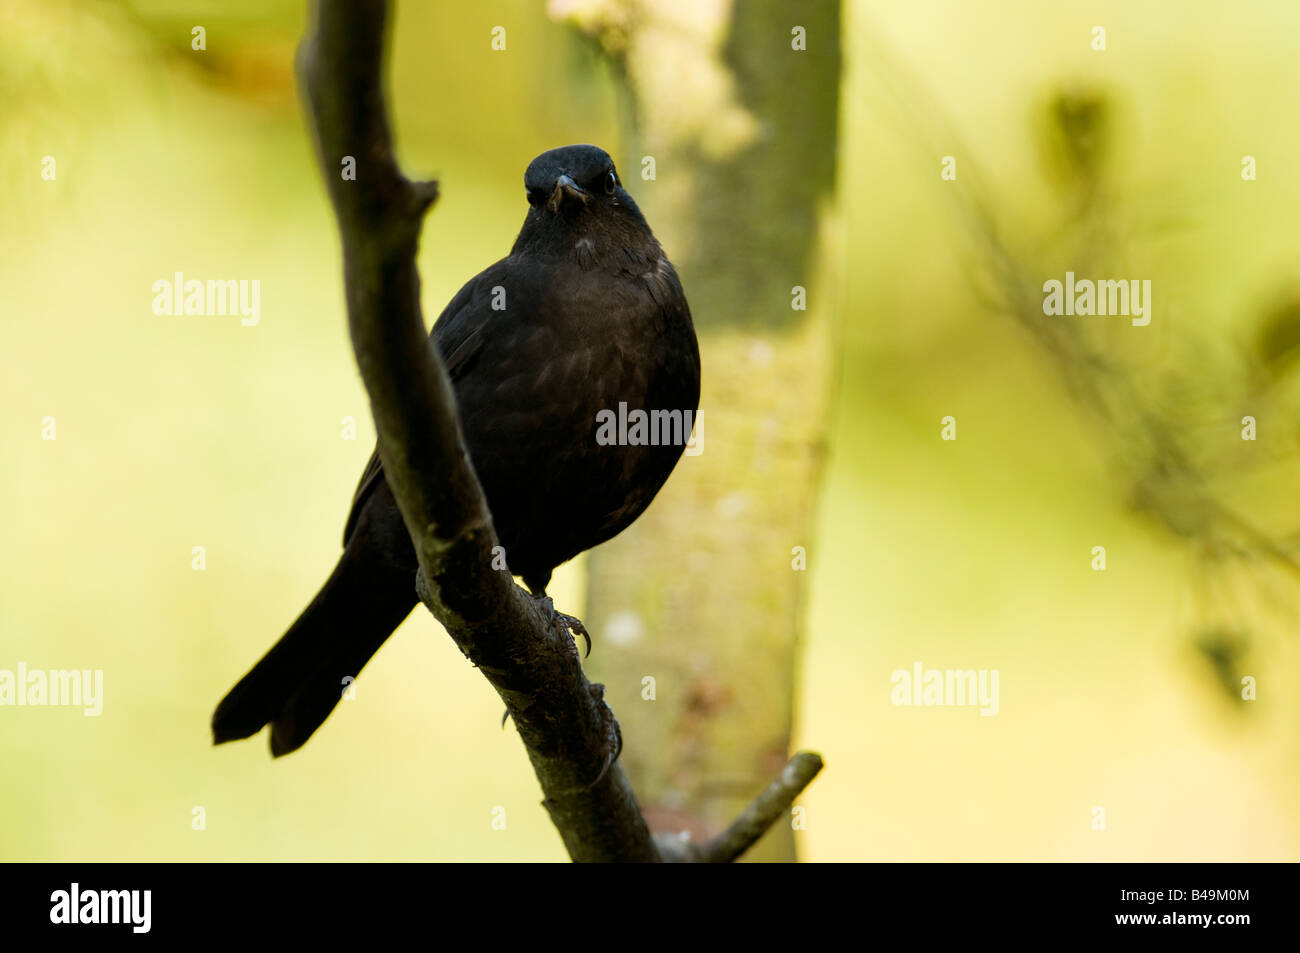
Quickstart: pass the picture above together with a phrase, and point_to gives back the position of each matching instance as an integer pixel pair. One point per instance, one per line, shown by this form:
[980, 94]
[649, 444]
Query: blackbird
[584, 322]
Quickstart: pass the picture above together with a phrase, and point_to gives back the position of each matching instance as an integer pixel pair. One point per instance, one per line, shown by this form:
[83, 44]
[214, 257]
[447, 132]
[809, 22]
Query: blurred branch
[1169, 466]
[741, 122]
[754, 821]
[568, 731]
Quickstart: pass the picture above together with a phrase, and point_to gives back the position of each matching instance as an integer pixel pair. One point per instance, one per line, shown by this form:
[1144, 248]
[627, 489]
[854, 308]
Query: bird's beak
[566, 190]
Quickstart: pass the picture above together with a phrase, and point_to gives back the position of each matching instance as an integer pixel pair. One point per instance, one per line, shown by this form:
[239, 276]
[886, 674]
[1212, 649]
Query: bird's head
[575, 193]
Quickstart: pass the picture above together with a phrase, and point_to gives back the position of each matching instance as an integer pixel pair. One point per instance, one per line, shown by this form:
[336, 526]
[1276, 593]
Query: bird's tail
[299, 681]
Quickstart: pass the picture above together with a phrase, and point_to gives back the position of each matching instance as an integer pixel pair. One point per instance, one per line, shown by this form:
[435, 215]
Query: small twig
[753, 822]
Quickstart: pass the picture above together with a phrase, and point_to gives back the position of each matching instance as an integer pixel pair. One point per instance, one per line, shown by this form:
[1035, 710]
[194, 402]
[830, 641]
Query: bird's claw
[612, 756]
[563, 621]
[609, 760]
[574, 625]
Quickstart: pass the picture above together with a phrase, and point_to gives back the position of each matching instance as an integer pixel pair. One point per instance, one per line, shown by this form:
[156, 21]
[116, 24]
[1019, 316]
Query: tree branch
[568, 731]
[564, 722]
[754, 820]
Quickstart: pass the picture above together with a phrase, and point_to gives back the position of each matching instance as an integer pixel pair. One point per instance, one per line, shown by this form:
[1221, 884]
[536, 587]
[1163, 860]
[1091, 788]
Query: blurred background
[1120, 689]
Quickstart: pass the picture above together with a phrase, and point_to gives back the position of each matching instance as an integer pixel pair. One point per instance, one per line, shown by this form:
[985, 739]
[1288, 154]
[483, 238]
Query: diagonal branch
[562, 718]
[763, 811]
[754, 820]
[568, 731]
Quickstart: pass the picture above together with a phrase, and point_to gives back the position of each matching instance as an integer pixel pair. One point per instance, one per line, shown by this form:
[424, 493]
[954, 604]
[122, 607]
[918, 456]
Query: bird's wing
[457, 336]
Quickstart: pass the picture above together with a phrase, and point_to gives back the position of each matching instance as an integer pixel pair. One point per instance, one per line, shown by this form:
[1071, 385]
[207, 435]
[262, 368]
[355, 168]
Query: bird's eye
[611, 182]
[536, 196]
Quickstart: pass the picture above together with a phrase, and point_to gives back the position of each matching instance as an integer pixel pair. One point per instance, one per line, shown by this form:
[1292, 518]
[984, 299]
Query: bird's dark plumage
[585, 314]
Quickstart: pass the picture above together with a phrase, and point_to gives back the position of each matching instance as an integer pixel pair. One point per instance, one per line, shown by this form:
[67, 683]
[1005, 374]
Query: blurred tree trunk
[704, 594]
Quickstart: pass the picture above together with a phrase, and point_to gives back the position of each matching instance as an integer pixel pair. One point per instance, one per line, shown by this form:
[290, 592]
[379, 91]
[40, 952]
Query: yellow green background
[175, 432]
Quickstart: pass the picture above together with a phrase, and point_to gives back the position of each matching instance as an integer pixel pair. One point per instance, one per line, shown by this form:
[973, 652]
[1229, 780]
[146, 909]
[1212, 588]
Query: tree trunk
[704, 594]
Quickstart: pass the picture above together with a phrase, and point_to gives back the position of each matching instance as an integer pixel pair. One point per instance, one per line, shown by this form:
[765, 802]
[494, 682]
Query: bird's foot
[560, 621]
[614, 735]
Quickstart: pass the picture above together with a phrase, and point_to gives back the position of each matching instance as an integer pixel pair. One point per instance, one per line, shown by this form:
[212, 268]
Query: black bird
[585, 314]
